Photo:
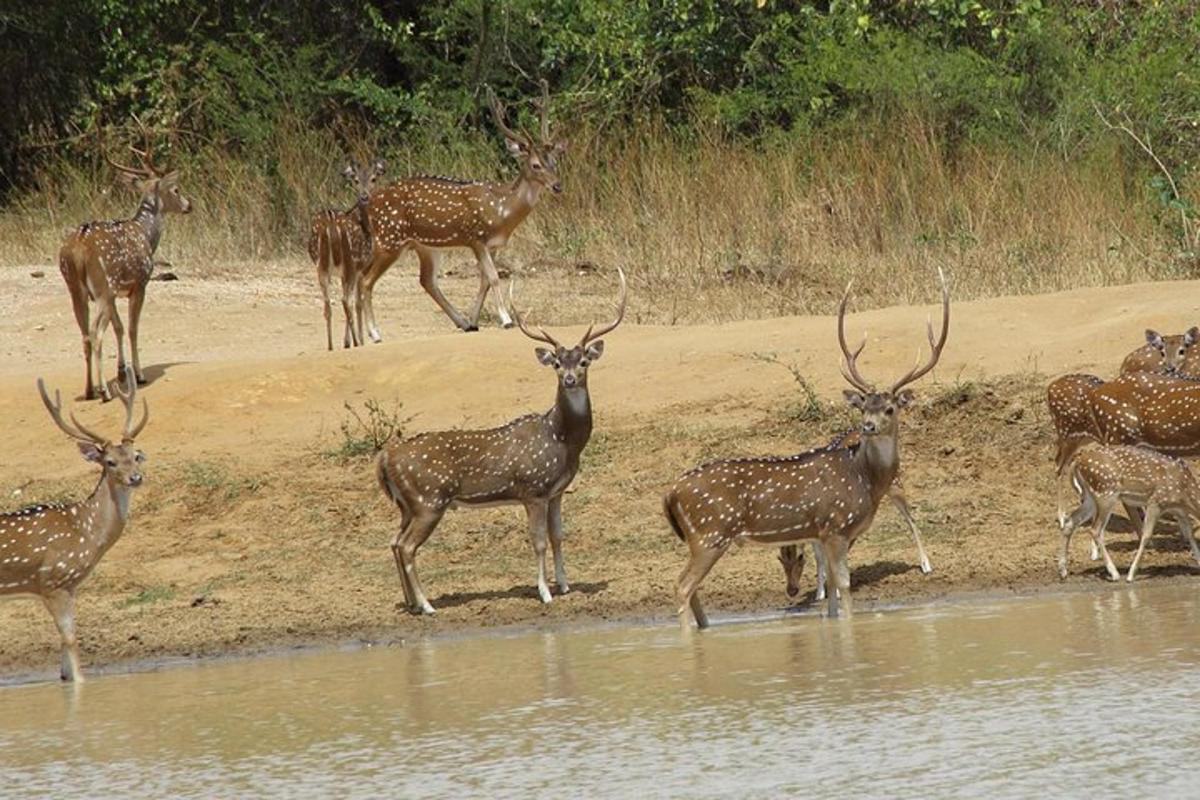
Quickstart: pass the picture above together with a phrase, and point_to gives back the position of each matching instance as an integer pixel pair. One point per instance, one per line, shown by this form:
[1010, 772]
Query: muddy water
[1077, 694]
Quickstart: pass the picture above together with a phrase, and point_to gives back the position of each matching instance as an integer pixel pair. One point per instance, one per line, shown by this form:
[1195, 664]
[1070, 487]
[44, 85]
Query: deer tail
[385, 480]
[669, 510]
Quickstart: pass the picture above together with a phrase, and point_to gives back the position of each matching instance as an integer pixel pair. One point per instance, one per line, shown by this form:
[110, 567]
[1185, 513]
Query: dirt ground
[256, 531]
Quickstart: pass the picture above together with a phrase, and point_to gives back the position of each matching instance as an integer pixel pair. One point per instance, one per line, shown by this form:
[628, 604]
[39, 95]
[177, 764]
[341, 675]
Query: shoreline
[334, 643]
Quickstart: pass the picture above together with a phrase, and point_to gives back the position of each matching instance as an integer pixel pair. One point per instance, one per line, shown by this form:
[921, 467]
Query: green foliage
[226, 77]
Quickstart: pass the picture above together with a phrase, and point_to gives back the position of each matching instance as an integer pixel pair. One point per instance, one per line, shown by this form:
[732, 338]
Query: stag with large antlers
[829, 494]
[48, 550]
[341, 240]
[531, 461]
[431, 214]
[102, 261]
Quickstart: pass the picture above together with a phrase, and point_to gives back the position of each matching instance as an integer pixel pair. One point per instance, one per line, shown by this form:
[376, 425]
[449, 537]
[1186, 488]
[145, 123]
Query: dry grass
[713, 230]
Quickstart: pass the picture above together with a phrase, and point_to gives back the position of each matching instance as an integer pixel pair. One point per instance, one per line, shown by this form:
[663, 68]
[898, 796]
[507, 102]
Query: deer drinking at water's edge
[341, 241]
[48, 550]
[431, 214]
[829, 494]
[531, 460]
[102, 261]
[1136, 477]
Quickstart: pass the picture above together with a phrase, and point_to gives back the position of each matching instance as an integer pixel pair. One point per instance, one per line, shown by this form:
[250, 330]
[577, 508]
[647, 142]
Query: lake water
[1072, 695]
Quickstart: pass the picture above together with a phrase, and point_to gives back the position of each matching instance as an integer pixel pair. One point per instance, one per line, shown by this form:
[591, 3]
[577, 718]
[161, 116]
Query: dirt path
[249, 535]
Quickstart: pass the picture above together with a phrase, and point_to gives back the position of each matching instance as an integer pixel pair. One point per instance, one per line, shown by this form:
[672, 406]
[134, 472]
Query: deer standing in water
[102, 261]
[829, 494]
[432, 214]
[531, 460]
[341, 240]
[1169, 354]
[1137, 477]
[48, 550]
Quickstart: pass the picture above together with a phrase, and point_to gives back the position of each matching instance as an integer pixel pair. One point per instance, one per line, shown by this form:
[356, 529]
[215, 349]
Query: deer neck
[879, 459]
[571, 417]
[149, 215]
[516, 201]
[102, 516]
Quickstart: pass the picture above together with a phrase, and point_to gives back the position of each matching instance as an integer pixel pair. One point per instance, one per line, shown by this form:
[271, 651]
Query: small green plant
[150, 595]
[366, 431]
[808, 407]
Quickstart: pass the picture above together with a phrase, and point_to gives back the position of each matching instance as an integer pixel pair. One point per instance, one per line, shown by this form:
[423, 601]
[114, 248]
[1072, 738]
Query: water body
[1074, 695]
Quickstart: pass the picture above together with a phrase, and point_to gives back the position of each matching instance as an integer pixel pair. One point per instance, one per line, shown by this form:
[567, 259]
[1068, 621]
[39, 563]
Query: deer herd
[1119, 442]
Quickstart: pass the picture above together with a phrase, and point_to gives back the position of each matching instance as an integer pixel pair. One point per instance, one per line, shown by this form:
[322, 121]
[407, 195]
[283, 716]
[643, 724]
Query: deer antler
[849, 365]
[78, 432]
[540, 335]
[543, 107]
[589, 336]
[148, 169]
[498, 115]
[130, 433]
[935, 347]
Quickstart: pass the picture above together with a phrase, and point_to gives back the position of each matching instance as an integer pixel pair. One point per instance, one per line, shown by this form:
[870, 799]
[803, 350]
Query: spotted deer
[432, 214]
[341, 240]
[48, 550]
[829, 494]
[1157, 411]
[531, 461]
[102, 261]
[1156, 483]
[1169, 354]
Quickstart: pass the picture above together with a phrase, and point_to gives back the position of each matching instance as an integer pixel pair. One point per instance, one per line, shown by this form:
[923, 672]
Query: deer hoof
[470, 327]
[507, 325]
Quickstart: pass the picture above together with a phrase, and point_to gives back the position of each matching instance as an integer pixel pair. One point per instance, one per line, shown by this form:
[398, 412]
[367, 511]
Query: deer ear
[905, 398]
[560, 147]
[854, 398]
[515, 147]
[1191, 337]
[380, 167]
[1153, 338]
[91, 452]
[595, 350]
[546, 357]
[348, 172]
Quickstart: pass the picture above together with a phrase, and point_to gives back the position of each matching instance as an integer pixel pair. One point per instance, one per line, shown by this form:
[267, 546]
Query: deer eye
[583, 362]
[535, 165]
[889, 411]
[110, 462]
[139, 457]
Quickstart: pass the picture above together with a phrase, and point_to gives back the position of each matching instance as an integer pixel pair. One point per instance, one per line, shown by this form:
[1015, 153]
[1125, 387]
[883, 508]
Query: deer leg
[137, 299]
[350, 295]
[61, 605]
[380, 261]
[1104, 510]
[822, 570]
[409, 602]
[489, 281]
[1186, 530]
[556, 542]
[1085, 512]
[119, 332]
[429, 282]
[1147, 529]
[418, 531]
[791, 556]
[837, 582]
[538, 511]
[79, 304]
[323, 282]
[901, 504]
[698, 566]
[96, 368]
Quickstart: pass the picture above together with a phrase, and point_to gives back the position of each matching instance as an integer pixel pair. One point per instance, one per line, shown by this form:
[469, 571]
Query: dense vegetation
[968, 130]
